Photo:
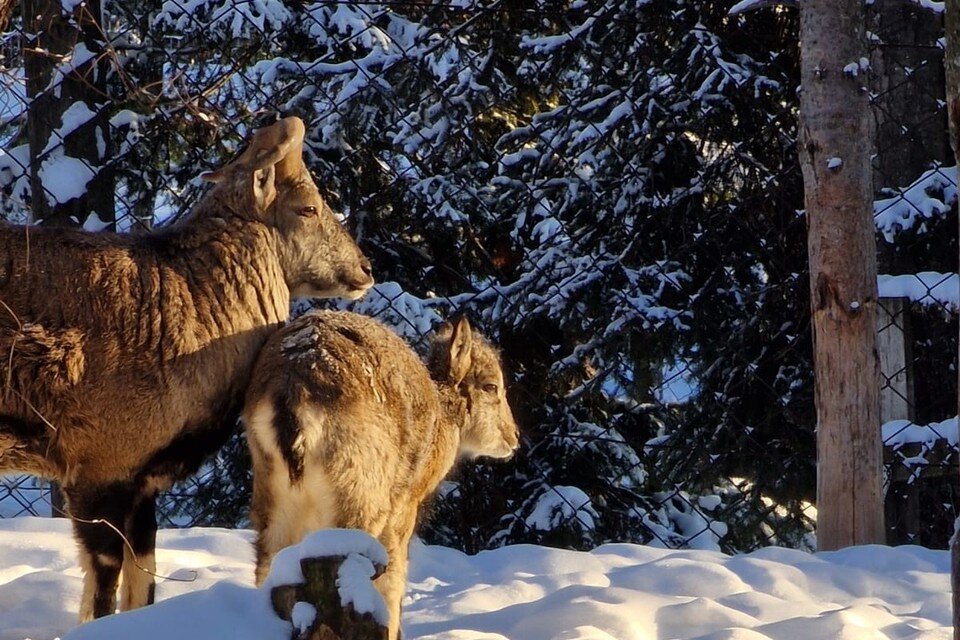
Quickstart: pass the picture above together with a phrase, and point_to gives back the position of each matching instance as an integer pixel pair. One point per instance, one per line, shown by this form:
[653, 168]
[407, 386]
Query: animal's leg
[266, 506]
[278, 533]
[283, 512]
[99, 514]
[264, 554]
[392, 585]
[278, 519]
[140, 565]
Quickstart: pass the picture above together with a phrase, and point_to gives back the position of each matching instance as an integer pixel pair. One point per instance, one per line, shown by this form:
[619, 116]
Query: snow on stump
[324, 586]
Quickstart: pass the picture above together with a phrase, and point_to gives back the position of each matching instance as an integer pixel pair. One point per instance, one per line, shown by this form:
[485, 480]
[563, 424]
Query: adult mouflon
[125, 357]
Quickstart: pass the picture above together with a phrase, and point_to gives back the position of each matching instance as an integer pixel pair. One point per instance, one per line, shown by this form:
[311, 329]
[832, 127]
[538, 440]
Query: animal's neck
[453, 414]
[226, 279]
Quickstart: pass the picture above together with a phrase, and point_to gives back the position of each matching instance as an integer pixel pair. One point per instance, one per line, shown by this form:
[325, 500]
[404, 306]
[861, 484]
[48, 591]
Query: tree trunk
[951, 65]
[67, 119]
[836, 138]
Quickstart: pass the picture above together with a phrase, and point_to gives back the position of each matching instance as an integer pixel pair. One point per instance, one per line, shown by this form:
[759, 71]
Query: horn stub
[278, 144]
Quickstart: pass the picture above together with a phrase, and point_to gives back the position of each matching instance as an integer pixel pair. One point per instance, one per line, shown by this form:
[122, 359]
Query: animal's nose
[365, 266]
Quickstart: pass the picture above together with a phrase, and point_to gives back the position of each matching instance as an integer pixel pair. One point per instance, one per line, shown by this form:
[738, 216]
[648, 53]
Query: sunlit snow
[64, 177]
[618, 591]
[926, 287]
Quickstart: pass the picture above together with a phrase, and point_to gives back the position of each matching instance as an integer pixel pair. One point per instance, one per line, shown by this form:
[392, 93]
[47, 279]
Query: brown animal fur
[347, 428]
[53, 359]
[123, 358]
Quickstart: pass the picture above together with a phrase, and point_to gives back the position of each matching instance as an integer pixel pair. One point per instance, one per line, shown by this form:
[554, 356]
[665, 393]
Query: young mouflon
[348, 428]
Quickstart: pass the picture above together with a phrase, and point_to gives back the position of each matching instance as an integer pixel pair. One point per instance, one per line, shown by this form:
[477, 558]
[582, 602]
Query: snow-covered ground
[618, 591]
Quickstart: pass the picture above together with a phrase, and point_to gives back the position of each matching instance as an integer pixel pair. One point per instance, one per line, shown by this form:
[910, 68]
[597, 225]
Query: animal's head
[270, 182]
[471, 366]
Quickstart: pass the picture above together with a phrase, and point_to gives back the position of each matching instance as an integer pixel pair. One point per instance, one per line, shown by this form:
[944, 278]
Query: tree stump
[332, 619]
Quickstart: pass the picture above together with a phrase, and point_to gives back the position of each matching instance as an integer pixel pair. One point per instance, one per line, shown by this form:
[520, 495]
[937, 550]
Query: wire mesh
[915, 180]
[609, 189]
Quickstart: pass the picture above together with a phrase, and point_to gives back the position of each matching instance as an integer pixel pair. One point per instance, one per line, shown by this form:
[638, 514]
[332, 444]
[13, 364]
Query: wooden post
[331, 620]
[902, 498]
[836, 142]
[896, 367]
[952, 67]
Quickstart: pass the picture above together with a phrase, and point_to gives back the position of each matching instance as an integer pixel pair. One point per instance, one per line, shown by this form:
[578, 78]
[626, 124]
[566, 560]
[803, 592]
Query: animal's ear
[263, 184]
[461, 347]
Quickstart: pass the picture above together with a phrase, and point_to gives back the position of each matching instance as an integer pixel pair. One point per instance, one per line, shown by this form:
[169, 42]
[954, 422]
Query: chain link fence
[610, 190]
[915, 178]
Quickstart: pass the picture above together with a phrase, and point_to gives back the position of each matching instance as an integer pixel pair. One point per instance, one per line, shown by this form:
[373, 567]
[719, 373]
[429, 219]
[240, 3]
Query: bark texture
[837, 134]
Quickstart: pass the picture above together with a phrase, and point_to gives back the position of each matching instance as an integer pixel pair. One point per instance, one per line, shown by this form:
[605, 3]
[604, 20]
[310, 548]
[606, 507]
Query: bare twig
[126, 543]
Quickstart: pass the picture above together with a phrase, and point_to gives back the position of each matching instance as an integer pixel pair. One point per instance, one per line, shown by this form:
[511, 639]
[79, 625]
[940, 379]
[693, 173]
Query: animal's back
[350, 410]
[350, 357]
[28, 257]
[356, 378]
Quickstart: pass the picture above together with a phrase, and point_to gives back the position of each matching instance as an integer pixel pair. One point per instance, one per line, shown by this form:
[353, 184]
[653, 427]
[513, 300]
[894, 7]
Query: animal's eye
[489, 388]
[308, 211]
